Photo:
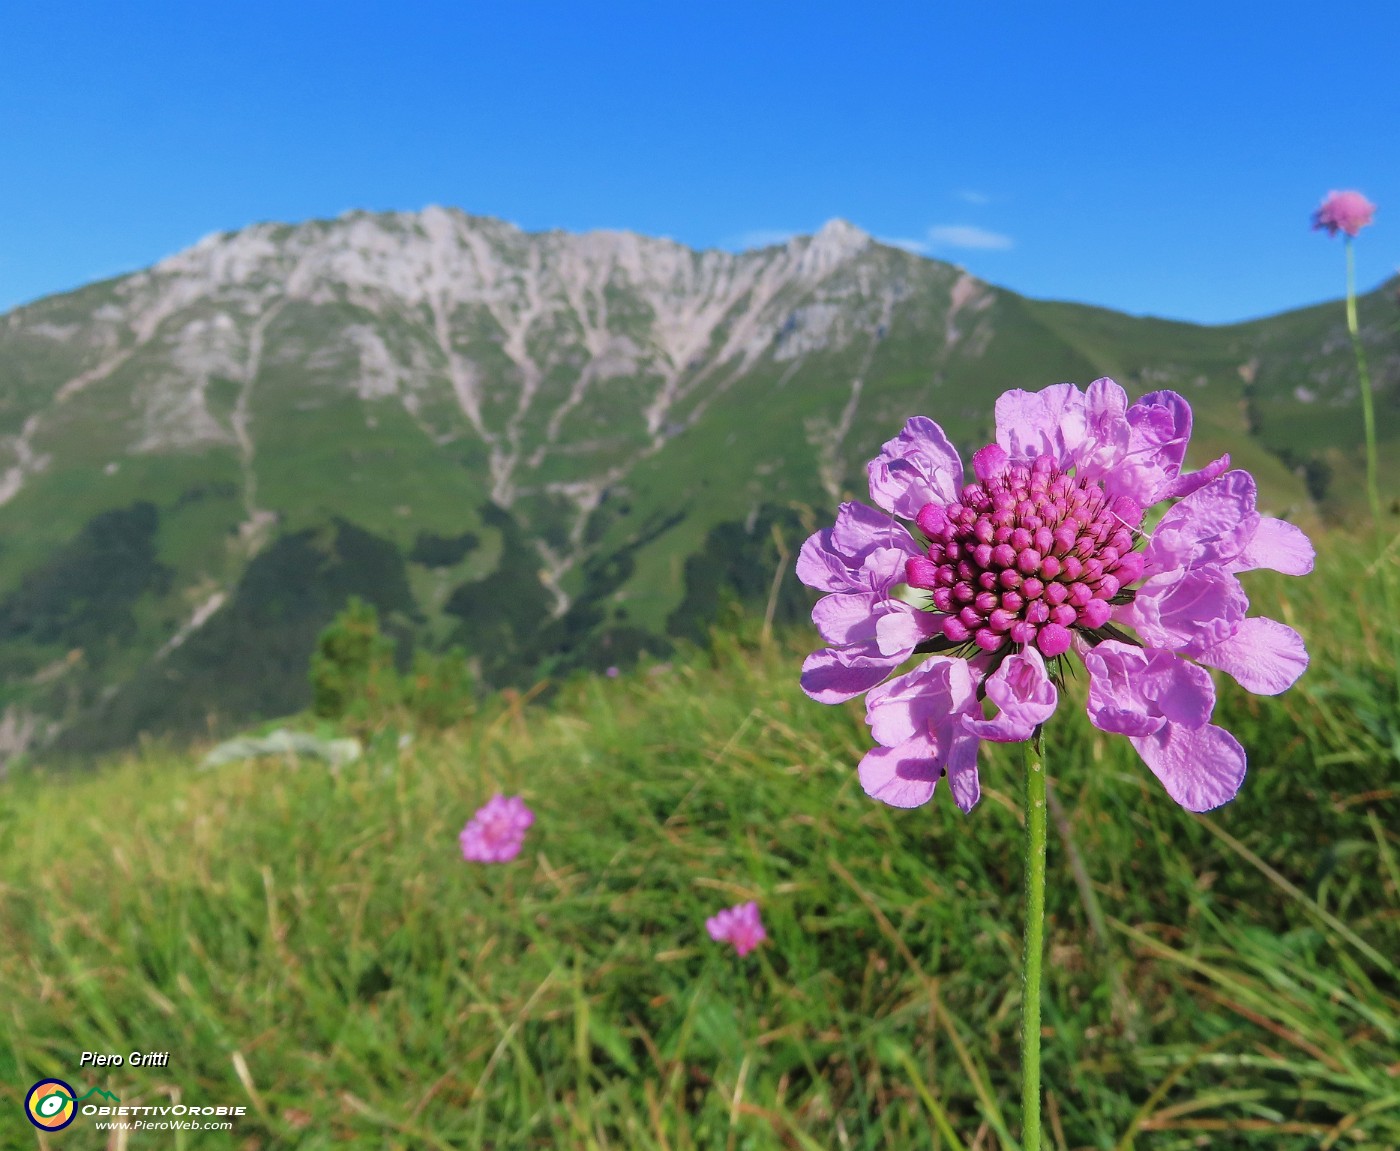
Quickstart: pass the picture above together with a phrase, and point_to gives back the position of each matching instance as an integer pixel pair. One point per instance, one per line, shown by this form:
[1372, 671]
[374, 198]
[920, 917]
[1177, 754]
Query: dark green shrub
[439, 689]
[352, 668]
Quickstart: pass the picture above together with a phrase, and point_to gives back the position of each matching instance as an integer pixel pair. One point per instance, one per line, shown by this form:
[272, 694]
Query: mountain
[555, 450]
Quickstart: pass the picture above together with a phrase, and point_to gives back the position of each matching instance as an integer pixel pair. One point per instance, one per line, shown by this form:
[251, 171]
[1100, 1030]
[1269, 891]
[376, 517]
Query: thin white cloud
[967, 236]
[758, 238]
[918, 247]
[968, 196]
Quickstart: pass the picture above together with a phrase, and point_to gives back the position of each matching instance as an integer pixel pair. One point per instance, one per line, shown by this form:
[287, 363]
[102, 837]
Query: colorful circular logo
[49, 1105]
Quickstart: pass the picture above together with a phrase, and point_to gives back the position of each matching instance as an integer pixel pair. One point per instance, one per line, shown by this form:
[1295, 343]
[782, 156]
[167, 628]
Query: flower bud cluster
[1025, 555]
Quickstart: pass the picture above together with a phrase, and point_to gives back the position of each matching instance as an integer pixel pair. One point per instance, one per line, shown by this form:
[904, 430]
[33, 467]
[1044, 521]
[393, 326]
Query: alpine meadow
[402, 728]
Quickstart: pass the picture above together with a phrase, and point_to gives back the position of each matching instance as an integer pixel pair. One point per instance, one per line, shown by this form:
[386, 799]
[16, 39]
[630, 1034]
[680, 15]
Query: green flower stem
[1368, 412]
[1035, 940]
[1368, 419]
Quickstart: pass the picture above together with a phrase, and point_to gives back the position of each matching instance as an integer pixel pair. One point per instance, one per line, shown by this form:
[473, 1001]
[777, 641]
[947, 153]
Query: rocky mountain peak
[536, 444]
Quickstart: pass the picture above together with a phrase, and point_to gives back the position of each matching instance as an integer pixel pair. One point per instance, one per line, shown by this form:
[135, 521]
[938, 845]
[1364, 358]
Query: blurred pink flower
[1344, 211]
[495, 833]
[1039, 554]
[612, 673]
[738, 925]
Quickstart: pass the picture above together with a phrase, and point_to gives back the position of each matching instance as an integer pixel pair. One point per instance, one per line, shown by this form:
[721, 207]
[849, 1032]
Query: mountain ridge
[366, 383]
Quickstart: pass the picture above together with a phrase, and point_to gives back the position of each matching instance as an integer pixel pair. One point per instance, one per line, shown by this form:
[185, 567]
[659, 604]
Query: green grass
[311, 945]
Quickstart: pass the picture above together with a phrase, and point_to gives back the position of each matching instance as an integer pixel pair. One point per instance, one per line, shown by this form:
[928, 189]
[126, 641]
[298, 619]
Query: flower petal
[1265, 656]
[1022, 690]
[882, 568]
[1105, 445]
[839, 558]
[902, 776]
[1048, 422]
[925, 700]
[1187, 611]
[1212, 526]
[819, 566]
[835, 675]
[1159, 430]
[1135, 691]
[919, 466]
[861, 529]
[1106, 412]
[1188, 482]
[1116, 702]
[1201, 768]
[846, 618]
[1279, 545]
[961, 770]
[900, 628]
[1181, 691]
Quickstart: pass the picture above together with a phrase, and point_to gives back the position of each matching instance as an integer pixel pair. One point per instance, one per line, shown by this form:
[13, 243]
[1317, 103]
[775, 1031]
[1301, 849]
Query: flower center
[1025, 555]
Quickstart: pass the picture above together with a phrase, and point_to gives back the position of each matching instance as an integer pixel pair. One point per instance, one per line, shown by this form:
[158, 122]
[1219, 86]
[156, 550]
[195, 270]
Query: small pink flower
[1345, 211]
[612, 673]
[495, 833]
[738, 925]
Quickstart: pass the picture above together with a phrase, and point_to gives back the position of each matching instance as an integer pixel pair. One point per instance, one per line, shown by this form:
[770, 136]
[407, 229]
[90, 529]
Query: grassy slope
[323, 455]
[1236, 982]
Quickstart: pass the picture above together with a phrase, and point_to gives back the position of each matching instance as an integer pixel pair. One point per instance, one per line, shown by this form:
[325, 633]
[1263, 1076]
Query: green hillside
[201, 461]
[309, 944]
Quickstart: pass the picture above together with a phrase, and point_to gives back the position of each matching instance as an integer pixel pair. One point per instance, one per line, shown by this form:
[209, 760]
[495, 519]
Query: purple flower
[1348, 212]
[494, 834]
[1037, 555]
[737, 925]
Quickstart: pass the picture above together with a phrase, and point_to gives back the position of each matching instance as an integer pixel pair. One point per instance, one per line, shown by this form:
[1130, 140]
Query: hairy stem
[1035, 940]
[1368, 412]
[1368, 419]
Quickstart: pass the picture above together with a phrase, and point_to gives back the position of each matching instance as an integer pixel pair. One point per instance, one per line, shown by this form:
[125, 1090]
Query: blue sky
[1158, 159]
